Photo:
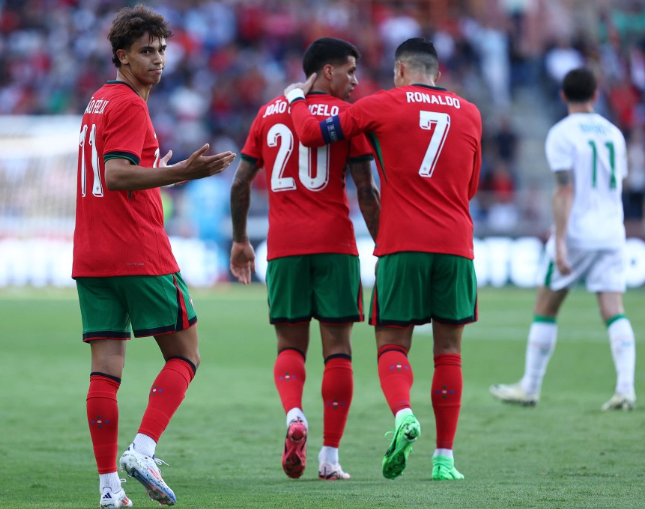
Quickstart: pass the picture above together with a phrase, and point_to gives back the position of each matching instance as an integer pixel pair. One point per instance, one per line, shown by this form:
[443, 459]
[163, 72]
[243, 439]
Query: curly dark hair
[130, 23]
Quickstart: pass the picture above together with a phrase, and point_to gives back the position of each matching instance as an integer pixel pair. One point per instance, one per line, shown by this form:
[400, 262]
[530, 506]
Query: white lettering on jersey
[277, 107]
[418, 97]
[96, 106]
[324, 110]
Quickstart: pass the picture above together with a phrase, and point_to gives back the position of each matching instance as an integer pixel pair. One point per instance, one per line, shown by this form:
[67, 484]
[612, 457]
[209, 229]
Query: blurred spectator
[634, 189]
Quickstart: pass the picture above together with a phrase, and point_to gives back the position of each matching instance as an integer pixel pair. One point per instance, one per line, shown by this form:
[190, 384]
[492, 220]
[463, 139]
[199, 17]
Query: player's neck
[419, 79]
[321, 86]
[139, 88]
[580, 108]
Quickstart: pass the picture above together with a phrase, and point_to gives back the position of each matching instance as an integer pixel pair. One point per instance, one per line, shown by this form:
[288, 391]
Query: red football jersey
[118, 233]
[308, 207]
[427, 143]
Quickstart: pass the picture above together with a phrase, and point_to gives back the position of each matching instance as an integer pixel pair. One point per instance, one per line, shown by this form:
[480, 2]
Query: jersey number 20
[281, 135]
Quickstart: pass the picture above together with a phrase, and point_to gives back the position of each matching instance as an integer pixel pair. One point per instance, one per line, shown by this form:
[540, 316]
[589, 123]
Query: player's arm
[562, 202]
[310, 131]
[369, 198]
[242, 253]
[122, 175]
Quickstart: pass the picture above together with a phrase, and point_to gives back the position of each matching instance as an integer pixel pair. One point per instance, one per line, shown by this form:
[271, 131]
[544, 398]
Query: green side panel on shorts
[549, 275]
[150, 305]
[413, 288]
[322, 286]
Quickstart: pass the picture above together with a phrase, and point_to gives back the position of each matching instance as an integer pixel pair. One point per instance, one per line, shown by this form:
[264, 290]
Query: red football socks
[289, 374]
[446, 397]
[103, 419]
[337, 392]
[396, 376]
[166, 394]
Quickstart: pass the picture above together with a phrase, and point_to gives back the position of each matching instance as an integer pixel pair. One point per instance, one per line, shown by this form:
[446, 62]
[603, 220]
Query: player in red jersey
[125, 272]
[313, 261]
[427, 143]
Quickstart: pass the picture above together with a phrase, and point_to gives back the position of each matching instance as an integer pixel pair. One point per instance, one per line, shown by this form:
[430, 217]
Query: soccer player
[125, 272]
[313, 269]
[427, 143]
[588, 158]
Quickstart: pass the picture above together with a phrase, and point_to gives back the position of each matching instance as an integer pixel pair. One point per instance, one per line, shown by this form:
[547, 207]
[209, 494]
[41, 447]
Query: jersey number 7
[441, 123]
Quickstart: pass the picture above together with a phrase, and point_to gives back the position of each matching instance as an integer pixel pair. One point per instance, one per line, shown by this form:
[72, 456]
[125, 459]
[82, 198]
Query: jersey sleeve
[359, 149]
[347, 124]
[252, 150]
[123, 136]
[559, 153]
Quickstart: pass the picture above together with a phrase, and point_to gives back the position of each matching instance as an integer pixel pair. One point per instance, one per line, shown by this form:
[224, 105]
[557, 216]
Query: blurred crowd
[228, 57]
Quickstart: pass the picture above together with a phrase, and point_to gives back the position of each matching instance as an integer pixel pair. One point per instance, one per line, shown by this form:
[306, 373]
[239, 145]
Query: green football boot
[407, 431]
[443, 469]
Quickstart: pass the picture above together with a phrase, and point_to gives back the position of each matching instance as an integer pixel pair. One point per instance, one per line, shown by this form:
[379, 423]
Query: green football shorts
[150, 305]
[323, 286]
[414, 288]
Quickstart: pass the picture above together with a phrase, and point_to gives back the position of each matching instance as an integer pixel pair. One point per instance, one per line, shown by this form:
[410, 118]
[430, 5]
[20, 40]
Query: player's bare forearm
[369, 198]
[121, 175]
[562, 202]
[241, 199]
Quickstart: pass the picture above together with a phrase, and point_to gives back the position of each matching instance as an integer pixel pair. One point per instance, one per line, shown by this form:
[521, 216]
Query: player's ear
[437, 77]
[328, 71]
[122, 55]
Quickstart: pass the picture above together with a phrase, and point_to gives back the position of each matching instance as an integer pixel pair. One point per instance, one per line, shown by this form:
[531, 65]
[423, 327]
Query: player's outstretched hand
[305, 87]
[199, 165]
[242, 261]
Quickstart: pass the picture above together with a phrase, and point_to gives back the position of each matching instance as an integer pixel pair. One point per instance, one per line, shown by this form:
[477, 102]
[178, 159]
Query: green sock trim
[544, 319]
[613, 319]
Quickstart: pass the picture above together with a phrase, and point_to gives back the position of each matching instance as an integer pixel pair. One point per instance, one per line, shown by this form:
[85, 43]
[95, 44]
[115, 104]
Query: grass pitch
[224, 444]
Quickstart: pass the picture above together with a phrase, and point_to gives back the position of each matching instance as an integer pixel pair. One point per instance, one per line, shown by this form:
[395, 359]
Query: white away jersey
[594, 150]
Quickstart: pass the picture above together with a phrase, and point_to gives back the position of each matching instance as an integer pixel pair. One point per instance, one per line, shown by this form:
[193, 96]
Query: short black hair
[327, 50]
[579, 85]
[130, 23]
[419, 53]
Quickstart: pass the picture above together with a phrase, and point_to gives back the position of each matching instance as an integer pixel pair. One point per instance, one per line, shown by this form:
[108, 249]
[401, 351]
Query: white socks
[111, 481]
[328, 455]
[443, 452]
[400, 414]
[623, 350]
[144, 444]
[296, 413]
[542, 338]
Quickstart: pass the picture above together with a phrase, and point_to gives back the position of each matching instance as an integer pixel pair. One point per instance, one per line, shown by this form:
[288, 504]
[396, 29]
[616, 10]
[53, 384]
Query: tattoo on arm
[563, 178]
[369, 198]
[241, 199]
